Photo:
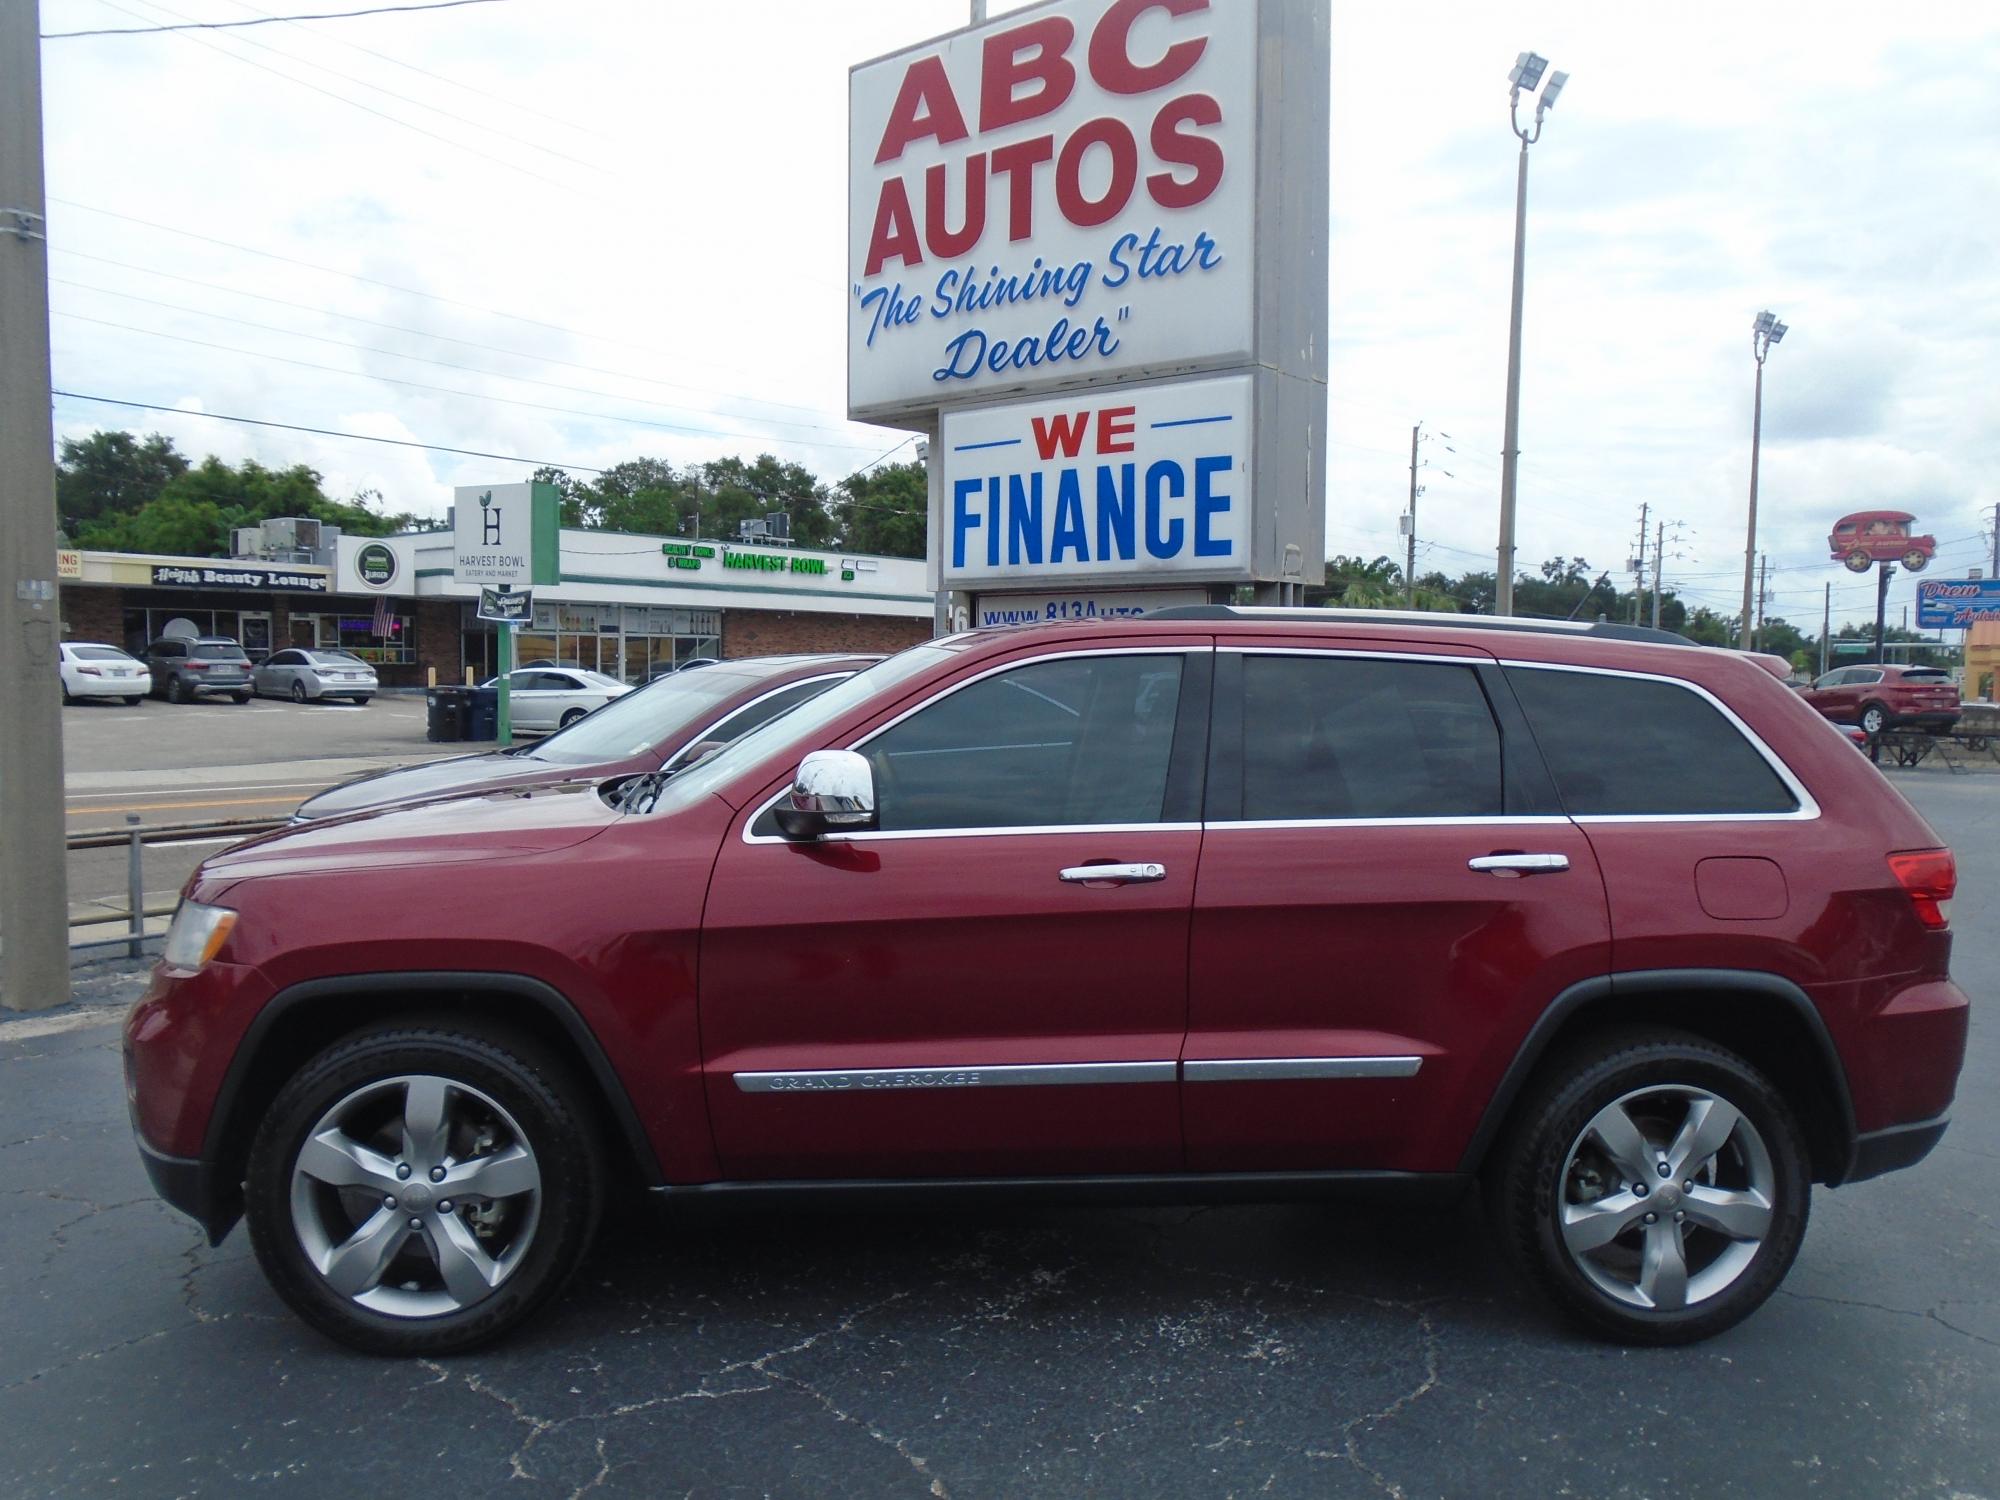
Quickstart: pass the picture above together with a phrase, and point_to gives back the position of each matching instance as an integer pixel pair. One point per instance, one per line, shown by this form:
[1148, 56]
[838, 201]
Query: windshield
[637, 721]
[792, 732]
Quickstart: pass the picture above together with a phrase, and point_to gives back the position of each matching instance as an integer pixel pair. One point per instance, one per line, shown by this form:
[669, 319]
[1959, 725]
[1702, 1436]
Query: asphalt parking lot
[1317, 1350]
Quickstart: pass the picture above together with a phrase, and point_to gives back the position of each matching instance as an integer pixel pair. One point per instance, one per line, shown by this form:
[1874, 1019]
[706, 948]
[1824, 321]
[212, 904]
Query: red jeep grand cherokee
[1215, 903]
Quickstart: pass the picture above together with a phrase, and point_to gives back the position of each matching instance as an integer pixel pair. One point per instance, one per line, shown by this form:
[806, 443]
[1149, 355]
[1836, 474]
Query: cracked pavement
[1325, 1350]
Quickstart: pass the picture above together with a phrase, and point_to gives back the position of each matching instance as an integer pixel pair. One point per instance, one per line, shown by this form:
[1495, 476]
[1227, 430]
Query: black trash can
[482, 714]
[445, 713]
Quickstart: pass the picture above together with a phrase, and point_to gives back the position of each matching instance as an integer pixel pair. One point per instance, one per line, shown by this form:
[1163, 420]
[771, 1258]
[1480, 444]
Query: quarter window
[1355, 737]
[1627, 746]
[1073, 741]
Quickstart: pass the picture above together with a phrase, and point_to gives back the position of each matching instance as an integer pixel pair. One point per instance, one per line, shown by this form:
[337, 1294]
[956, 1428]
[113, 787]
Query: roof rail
[1603, 629]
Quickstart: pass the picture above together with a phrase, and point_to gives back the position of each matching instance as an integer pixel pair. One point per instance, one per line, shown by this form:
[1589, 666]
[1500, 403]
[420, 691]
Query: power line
[329, 15]
[339, 41]
[446, 390]
[357, 437]
[296, 82]
[443, 338]
[320, 338]
[408, 291]
[505, 135]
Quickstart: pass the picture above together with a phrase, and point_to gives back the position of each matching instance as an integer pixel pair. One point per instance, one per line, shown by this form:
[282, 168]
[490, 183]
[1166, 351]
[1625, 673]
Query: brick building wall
[771, 632]
[93, 614]
[436, 623]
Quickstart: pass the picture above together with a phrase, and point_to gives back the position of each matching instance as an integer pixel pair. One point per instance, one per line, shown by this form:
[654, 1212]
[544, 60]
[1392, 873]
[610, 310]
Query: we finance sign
[1146, 483]
[1065, 195]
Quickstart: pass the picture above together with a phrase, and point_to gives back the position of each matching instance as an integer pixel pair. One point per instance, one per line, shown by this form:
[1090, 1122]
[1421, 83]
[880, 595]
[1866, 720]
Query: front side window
[1356, 737]
[1079, 740]
[1634, 746]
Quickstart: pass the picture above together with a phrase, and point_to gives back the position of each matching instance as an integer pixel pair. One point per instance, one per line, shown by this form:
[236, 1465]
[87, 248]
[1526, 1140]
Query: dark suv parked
[188, 669]
[1214, 903]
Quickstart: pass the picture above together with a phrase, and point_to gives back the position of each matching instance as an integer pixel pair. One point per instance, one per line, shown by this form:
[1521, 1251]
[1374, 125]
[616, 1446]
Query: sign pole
[504, 723]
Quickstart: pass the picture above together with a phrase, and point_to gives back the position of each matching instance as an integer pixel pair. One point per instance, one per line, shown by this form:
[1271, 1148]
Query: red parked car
[1867, 537]
[1212, 903]
[666, 725]
[1876, 697]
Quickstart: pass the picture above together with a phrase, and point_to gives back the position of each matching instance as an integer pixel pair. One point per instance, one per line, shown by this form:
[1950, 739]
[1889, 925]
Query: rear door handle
[1121, 874]
[1519, 864]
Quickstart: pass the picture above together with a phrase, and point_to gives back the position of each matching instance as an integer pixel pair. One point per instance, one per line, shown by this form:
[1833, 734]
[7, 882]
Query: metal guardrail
[135, 836]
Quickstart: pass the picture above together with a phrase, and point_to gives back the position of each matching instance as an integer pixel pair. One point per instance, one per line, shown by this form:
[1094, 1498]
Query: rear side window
[1628, 746]
[1343, 737]
[1078, 740]
[219, 653]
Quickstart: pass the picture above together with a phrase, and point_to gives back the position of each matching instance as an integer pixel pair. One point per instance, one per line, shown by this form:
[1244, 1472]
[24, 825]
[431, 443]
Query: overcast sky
[634, 210]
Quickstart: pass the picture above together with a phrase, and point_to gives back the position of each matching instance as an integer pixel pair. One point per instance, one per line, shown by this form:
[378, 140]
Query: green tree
[739, 491]
[885, 511]
[112, 474]
[198, 510]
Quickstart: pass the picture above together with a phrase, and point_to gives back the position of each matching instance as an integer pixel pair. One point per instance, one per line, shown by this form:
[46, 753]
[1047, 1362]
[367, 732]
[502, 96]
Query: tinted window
[218, 651]
[283, 659]
[1337, 737]
[1631, 746]
[1926, 674]
[169, 648]
[1081, 740]
[1863, 675]
[97, 653]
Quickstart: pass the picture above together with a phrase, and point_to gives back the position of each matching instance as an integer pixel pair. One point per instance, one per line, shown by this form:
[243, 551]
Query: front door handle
[1119, 874]
[1506, 865]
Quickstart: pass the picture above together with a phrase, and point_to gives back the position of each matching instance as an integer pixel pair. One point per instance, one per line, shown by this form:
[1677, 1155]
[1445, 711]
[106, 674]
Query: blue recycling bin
[483, 715]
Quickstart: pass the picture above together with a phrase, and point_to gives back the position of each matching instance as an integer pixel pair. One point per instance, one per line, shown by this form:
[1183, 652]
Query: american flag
[385, 622]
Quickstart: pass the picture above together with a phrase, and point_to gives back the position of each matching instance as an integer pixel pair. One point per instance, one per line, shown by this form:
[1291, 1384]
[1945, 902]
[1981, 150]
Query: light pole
[1765, 332]
[1526, 74]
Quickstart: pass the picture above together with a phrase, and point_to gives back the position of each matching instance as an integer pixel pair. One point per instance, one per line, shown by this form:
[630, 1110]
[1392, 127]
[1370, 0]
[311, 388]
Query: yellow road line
[142, 807]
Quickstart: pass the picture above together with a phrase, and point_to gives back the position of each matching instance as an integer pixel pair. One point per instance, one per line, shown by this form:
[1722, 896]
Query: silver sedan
[308, 675]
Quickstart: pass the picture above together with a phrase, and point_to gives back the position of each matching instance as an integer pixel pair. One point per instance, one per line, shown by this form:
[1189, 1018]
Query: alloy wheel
[415, 1196]
[1667, 1196]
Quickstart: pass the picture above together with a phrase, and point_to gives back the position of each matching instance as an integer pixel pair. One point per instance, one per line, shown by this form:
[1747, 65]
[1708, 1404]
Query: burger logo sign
[1065, 195]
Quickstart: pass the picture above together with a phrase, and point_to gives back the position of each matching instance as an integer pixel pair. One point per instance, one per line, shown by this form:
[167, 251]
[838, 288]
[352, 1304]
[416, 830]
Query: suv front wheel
[1655, 1186]
[422, 1189]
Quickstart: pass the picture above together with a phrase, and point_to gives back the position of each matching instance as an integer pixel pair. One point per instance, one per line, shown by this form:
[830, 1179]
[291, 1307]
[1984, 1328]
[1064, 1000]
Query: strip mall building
[625, 603]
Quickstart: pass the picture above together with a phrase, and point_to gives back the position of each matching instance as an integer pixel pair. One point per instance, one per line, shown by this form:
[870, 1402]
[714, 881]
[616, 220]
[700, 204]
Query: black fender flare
[1773, 987]
[544, 997]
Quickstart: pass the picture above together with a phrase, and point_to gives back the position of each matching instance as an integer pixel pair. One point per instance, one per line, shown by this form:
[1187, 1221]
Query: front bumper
[186, 1184]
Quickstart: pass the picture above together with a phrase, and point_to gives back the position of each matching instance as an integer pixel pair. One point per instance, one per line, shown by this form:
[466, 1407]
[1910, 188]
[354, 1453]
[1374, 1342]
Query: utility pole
[1410, 565]
[1825, 628]
[1659, 566]
[1996, 539]
[1639, 569]
[1763, 593]
[1765, 332]
[1885, 572]
[34, 885]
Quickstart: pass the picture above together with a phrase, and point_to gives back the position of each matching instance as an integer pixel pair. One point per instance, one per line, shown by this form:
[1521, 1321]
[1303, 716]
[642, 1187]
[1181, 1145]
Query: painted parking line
[145, 807]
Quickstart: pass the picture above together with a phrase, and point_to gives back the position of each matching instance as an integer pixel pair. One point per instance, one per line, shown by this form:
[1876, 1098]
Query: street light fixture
[1764, 332]
[1525, 77]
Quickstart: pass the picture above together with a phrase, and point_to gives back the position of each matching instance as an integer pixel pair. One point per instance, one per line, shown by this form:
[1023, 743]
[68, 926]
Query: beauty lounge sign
[1063, 196]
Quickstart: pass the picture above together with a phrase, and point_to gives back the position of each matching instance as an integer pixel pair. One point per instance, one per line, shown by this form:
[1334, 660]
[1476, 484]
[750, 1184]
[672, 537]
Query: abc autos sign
[1064, 196]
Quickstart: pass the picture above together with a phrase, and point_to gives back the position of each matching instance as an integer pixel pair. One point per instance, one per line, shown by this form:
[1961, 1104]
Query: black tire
[298, 691]
[361, 701]
[1881, 718]
[1530, 1181]
[240, 697]
[68, 696]
[571, 717]
[554, 1122]
[175, 692]
[133, 700]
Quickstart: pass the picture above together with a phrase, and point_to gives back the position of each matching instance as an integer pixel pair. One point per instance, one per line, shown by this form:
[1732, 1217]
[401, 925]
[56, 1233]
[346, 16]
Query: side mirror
[834, 790]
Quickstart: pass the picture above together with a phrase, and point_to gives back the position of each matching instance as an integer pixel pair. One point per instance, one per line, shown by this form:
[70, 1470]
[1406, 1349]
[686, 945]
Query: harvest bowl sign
[1064, 196]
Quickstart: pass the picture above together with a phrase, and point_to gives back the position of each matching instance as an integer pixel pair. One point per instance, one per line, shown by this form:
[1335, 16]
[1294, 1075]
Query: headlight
[196, 935]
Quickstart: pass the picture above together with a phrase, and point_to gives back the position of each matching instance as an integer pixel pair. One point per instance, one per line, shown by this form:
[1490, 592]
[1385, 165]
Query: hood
[438, 778]
[535, 820]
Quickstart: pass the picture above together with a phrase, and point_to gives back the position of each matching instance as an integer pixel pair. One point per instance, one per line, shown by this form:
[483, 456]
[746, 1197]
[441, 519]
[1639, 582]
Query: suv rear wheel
[422, 1189]
[1874, 718]
[1655, 1186]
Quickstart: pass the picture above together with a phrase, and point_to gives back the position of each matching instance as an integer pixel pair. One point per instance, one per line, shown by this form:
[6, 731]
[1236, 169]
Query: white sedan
[91, 670]
[547, 698]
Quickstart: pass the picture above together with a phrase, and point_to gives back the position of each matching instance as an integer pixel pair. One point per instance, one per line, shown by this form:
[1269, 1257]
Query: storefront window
[629, 641]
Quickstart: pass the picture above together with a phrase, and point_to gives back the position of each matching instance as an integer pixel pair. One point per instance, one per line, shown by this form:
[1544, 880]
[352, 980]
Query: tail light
[197, 666]
[90, 671]
[1929, 876]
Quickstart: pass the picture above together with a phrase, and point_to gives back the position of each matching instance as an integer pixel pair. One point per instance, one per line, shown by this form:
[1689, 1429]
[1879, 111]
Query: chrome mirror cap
[834, 789]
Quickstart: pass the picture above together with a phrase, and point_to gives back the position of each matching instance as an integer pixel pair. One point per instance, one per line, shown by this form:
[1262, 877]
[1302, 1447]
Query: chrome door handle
[1122, 874]
[1519, 864]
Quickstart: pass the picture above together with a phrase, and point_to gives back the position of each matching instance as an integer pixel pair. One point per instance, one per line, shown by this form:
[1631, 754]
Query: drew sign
[1956, 603]
[1065, 194]
[1144, 483]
